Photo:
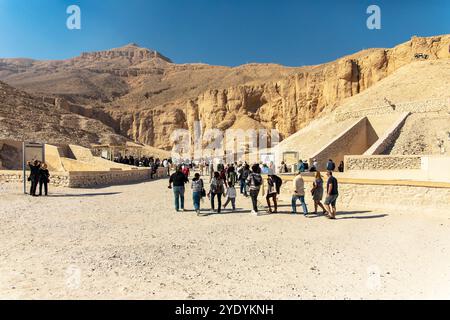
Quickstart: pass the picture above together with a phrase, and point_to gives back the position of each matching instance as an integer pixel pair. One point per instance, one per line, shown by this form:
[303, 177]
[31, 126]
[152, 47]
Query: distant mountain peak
[130, 51]
[132, 44]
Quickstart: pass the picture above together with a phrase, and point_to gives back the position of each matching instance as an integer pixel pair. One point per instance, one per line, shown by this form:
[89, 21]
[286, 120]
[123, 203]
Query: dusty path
[127, 242]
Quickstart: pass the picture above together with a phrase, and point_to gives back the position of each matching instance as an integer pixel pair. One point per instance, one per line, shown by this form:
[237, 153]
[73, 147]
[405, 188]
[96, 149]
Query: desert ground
[127, 242]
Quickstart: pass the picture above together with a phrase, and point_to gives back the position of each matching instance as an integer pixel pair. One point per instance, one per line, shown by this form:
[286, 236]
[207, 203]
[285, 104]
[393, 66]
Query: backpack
[278, 182]
[216, 186]
[257, 180]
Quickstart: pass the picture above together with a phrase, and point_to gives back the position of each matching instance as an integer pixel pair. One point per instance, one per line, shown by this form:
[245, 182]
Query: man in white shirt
[299, 194]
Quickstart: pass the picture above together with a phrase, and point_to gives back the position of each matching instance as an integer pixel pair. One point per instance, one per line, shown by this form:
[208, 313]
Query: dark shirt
[44, 175]
[34, 171]
[334, 183]
[331, 166]
[178, 179]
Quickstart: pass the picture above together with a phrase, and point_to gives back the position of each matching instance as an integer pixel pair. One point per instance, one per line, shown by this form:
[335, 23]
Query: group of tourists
[303, 166]
[39, 175]
[146, 162]
[223, 180]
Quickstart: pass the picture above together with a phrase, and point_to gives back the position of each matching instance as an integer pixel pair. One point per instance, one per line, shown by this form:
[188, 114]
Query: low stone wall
[382, 162]
[411, 199]
[58, 179]
[161, 173]
[431, 105]
[88, 179]
[392, 196]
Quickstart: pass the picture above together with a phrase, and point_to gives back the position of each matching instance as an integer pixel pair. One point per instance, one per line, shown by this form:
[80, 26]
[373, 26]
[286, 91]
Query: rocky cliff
[143, 96]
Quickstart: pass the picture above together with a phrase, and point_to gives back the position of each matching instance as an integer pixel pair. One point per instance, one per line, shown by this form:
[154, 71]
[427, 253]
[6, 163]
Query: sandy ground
[127, 242]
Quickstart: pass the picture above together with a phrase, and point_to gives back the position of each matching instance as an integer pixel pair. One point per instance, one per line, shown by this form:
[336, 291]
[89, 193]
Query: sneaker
[255, 213]
[181, 210]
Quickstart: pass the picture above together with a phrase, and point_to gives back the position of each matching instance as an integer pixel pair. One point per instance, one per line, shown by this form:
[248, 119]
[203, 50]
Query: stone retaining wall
[395, 198]
[379, 195]
[58, 179]
[382, 162]
[432, 105]
[91, 179]
[88, 179]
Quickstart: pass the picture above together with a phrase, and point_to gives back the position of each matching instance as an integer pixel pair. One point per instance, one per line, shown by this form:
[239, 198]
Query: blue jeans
[178, 192]
[196, 196]
[294, 204]
[243, 187]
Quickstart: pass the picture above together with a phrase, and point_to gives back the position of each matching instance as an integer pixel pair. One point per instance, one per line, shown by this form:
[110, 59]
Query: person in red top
[186, 171]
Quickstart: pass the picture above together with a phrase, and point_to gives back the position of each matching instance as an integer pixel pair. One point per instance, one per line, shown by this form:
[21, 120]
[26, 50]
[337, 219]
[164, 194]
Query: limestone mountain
[142, 95]
[29, 117]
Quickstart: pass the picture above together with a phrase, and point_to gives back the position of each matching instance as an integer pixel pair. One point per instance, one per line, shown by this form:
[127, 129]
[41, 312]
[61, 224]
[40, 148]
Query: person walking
[201, 167]
[211, 170]
[44, 179]
[254, 182]
[299, 194]
[283, 167]
[231, 197]
[332, 195]
[272, 191]
[243, 179]
[186, 170]
[217, 188]
[178, 180]
[331, 166]
[341, 166]
[34, 176]
[317, 192]
[231, 176]
[197, 192]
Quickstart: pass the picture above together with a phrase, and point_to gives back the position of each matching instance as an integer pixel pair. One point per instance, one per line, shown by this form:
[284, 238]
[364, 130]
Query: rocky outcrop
[139, 94]
[287, 104]
[132, 51]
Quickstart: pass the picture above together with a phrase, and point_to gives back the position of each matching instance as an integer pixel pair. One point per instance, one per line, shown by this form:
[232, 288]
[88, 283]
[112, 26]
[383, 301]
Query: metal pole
[24, 173]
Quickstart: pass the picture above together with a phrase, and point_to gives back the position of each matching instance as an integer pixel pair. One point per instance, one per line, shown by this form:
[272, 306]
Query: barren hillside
[28, 117]
[142, 95]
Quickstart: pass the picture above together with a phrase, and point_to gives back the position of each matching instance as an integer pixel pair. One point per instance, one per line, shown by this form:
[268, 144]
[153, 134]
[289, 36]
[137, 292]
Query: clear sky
[220, 32]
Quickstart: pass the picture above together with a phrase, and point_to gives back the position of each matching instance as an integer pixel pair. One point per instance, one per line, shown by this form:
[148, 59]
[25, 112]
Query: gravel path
[127, 242]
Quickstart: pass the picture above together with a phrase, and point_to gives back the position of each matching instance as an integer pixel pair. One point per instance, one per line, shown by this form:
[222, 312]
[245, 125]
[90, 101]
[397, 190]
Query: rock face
[27, 117]
[143, 96]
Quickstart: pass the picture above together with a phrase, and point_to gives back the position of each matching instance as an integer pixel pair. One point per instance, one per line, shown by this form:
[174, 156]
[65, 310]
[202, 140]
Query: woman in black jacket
[34, 176]
[44, 176]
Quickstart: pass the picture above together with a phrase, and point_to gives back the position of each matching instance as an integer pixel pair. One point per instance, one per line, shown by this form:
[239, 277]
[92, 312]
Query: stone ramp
[355, 140]
[387, 140]
[312, 138]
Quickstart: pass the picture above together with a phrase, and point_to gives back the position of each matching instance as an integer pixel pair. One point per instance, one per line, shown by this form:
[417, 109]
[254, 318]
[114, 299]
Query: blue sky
[220, 32]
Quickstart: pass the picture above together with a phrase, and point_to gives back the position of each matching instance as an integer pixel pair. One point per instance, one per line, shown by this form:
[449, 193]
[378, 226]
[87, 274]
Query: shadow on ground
[68, 195]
